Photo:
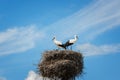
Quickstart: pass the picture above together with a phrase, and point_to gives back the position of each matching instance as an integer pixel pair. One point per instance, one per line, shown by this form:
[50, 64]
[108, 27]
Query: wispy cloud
[2, 78]
[91, 50]
[89, 22]
[34, 76]
[94, 19]
[17, 39]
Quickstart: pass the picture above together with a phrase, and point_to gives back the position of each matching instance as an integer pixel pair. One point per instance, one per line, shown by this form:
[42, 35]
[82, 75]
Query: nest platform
[62, 64]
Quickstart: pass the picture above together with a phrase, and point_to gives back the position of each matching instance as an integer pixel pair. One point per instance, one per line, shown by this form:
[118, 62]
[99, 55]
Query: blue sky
[28, 26]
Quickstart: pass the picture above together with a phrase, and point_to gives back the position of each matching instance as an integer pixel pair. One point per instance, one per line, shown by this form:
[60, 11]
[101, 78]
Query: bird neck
[54, 39]
[75, 38]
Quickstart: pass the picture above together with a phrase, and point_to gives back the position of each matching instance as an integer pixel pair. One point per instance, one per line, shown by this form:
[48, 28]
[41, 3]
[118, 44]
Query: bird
[70, 42]
[58, 43]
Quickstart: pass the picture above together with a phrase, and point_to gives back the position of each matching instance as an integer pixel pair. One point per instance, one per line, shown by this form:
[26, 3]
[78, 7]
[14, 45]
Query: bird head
[76, 36]
[53, 38]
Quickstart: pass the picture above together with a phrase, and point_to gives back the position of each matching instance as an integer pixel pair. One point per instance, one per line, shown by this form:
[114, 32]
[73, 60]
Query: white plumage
[71, 41]
[58, 43]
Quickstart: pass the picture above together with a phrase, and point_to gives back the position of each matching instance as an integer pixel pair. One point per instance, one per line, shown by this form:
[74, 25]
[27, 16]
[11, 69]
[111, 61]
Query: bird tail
[63, 46]
[66, 44]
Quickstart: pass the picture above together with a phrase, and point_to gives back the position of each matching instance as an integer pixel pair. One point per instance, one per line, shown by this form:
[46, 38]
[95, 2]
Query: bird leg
[57, 49]
[70, 47]
[66, 47]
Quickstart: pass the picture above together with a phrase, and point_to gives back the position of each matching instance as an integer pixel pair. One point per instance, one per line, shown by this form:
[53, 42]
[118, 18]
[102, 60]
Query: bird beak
[77, 37]
[53, 38]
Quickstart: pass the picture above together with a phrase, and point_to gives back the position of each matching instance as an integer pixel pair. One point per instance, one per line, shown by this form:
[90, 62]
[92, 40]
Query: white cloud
[17, 39]
[90, 49]
[34, 76]
[96, 18]
[2, 78]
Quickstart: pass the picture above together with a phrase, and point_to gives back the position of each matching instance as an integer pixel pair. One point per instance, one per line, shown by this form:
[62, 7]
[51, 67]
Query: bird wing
[72, 41]
[68, 43]
[58, 42]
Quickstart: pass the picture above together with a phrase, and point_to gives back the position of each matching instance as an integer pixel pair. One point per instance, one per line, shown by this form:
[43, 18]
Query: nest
[63, 64]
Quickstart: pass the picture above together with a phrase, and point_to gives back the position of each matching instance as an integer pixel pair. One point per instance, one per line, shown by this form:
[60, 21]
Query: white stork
[58, 43]
[71, 42]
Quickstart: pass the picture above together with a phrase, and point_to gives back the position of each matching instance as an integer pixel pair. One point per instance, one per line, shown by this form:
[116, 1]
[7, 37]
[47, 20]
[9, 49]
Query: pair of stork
[65, 45]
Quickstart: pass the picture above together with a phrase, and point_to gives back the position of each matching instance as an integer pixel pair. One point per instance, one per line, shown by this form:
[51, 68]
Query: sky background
[28, 26]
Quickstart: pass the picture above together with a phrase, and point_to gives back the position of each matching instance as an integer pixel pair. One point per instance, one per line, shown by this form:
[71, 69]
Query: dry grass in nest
[64, 64]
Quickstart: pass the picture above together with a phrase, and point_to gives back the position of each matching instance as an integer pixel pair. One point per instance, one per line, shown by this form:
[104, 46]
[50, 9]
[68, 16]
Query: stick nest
[64, 64]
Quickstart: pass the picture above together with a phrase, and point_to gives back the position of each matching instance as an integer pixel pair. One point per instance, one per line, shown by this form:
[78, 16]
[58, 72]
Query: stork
[58, 43]
[71, 42]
